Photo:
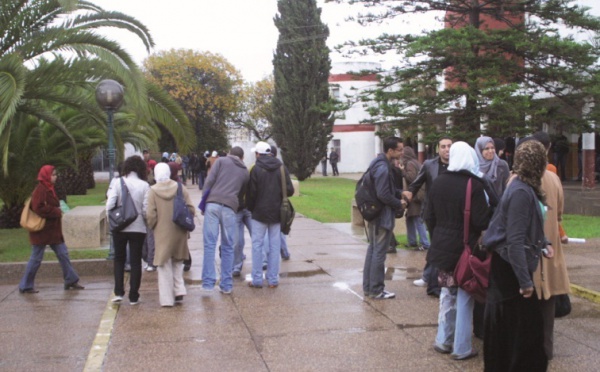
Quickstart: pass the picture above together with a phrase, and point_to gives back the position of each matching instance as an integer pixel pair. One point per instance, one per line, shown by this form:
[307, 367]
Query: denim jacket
[516, 231]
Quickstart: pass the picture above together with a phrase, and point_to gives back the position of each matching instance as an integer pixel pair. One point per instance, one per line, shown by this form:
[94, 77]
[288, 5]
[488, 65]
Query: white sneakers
[117, 299]
[420, 283]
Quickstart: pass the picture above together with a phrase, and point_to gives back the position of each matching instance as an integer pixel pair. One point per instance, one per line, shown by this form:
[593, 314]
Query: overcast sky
[243, 30]
[240, 30]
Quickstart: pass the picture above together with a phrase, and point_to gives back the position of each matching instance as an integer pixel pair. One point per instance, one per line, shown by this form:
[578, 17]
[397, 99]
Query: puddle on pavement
[303, 274]
[401, 273]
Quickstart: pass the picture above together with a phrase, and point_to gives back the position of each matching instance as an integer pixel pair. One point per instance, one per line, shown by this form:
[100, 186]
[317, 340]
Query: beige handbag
[30, 221]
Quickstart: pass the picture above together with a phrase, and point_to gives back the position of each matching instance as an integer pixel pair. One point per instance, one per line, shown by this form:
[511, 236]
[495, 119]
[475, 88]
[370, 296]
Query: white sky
[241, 30]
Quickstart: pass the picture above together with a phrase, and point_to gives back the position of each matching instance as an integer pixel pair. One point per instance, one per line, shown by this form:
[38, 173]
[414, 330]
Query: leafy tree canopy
[255, 109]
[205, 85]
[302, 120]
[511, 65]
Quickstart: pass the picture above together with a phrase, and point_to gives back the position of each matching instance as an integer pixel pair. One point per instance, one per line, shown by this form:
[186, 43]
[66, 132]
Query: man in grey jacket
[227, 178]
[381, 229]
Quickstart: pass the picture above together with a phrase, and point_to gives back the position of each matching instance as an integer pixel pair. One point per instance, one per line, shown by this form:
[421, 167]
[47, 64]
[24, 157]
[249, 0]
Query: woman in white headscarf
[494, 168]
[445, 219]
[171, 240]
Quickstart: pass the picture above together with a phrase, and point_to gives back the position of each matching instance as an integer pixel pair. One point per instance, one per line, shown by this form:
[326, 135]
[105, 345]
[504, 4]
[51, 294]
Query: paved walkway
[316, 320]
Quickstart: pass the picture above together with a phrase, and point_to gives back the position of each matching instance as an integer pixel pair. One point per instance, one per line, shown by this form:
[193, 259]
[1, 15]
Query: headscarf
[461, 158]
[175, 168]
[162, 172]
[530, 164]
[45, 177]
[488, 167]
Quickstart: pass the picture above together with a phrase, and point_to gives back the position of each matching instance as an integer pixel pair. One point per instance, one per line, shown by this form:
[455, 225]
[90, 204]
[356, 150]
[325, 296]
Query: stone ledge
[51, 269]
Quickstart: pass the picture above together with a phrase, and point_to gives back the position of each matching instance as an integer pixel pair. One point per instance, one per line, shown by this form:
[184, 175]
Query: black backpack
[366, 197]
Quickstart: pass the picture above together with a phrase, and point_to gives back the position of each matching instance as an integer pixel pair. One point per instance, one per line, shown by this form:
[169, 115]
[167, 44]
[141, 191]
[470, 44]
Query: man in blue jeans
[227, 178]
[264, 198]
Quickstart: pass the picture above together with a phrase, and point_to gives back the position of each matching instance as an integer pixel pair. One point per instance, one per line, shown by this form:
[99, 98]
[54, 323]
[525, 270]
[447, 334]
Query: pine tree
[302, 120]
[501, 61]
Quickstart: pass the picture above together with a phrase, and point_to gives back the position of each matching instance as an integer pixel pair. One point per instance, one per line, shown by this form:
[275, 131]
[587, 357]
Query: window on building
[335, 92]
[338, 148]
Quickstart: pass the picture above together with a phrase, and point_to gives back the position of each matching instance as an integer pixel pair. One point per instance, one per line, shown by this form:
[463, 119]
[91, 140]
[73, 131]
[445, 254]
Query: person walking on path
[45, 203]
[514, 326]
[333, 160]
[380, 230]
[134, 176]
[172, 247]
[414, 222]
[445, 219]
[227, 178]
[263, 199]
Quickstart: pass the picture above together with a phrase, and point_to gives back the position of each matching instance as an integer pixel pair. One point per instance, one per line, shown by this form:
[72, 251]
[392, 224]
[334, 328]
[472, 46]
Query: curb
[588, 294]
[51, 269]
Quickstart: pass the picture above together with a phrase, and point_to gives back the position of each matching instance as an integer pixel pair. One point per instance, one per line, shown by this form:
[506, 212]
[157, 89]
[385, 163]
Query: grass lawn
[14, 243]
[326, 199]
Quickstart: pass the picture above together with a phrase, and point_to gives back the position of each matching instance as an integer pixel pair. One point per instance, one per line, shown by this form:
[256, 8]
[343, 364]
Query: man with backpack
[380, 230]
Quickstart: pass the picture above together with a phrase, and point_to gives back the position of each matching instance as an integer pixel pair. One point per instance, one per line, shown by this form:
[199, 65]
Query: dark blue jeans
[37, 255]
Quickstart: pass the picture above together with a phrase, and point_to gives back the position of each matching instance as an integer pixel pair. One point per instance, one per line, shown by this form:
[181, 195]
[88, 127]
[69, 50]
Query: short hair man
[429, 171]
[381, 230]
[264, 199]
[333, 160]
[225, 181]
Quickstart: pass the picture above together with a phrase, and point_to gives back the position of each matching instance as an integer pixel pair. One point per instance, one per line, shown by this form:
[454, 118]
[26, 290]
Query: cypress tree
[302, 120]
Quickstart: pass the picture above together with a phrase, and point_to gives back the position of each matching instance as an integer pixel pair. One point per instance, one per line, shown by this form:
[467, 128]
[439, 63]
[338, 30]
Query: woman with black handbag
[134, 234]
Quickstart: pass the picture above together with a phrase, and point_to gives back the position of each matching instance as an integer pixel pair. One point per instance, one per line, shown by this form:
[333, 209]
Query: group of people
[333, 158]
[514, 217]
[236, 197]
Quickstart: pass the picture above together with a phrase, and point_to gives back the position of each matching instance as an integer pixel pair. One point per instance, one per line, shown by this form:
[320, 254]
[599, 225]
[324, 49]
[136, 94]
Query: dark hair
[145, 152]
[237, 151]
[391, 143]
[273, 151]
[135, 164]
[499, 144]
[543, 137]
[444, 137]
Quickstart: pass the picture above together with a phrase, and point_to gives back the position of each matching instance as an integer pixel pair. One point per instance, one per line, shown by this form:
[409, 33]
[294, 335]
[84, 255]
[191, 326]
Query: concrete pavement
[316, 320]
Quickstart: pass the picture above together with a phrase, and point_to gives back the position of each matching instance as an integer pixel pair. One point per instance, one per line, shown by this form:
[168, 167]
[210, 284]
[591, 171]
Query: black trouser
[136, 244]
[334, 169]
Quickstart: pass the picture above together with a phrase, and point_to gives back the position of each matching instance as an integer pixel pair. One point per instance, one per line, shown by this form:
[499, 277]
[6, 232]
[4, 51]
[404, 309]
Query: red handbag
[471, 273]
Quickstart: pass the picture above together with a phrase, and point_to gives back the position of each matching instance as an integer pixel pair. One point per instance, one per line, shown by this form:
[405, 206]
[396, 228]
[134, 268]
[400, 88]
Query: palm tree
[34, 36]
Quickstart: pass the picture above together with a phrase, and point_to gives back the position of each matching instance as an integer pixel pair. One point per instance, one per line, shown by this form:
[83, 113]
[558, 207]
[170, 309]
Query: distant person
[415, 228]
[514, 326]
[560, 147]
[45, 203]
[134, 175]
[381, 230]
[151, 163]
[165, 157]
[324, 166]
[333, 160]
[193, 170]
[211, 161]
[172, 248]
[202, 160]
[263, 199]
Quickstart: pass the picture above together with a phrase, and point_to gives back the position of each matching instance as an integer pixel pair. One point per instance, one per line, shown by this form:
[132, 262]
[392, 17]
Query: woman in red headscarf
[45, 203]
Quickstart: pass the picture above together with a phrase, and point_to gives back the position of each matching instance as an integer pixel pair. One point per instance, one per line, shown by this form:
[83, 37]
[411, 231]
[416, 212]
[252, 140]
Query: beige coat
[551, 278]
[171, 241]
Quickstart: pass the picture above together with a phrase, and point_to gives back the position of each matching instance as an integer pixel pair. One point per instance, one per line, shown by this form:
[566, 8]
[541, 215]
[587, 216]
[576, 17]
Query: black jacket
[445, 217]
[263, 197]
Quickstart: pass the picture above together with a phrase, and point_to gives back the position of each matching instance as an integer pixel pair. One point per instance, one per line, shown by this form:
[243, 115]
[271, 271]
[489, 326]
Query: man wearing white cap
[263, 199]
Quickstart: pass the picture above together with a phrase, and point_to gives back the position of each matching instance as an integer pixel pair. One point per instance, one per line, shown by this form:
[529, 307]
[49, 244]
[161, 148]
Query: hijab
[162, 172]
[45, 178]
[488, 167]
[461, 158]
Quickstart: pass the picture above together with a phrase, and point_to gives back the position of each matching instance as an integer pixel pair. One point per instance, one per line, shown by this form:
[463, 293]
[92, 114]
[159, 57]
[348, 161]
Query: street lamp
[109, 95]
